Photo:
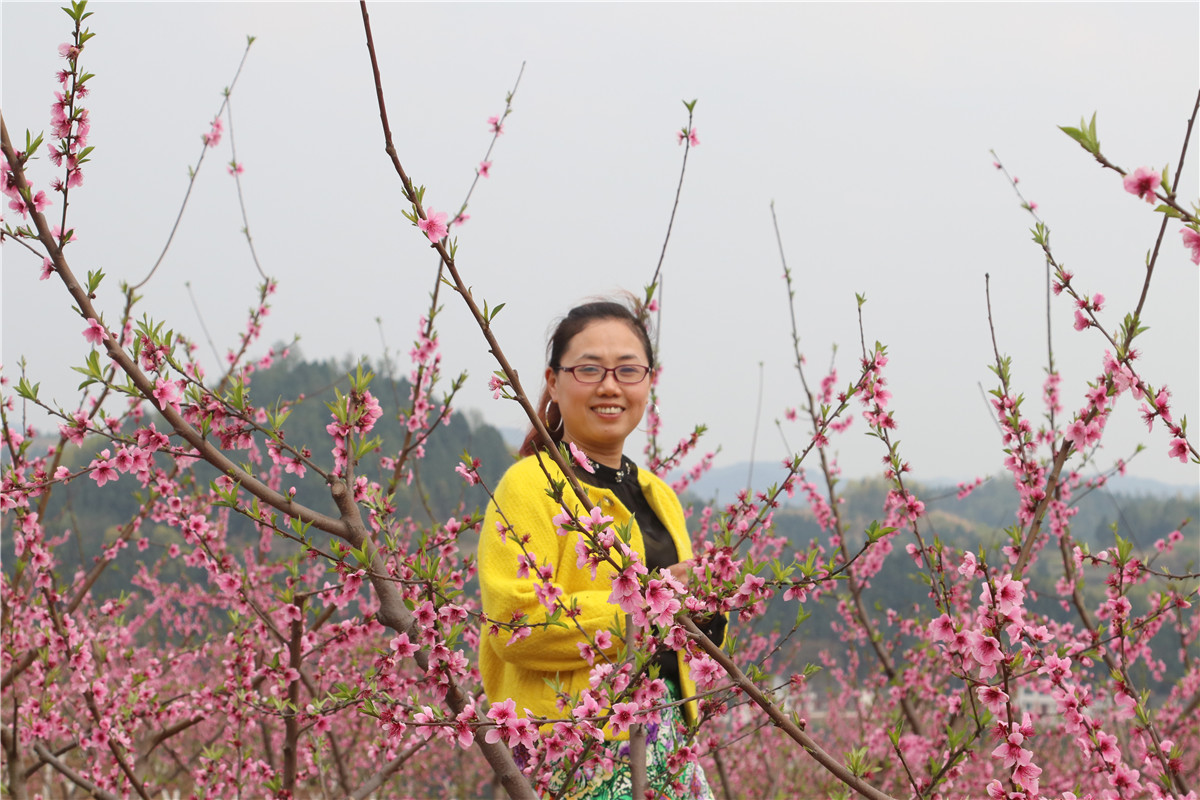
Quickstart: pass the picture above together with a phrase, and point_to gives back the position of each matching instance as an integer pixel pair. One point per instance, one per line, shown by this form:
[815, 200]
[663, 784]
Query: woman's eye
[589, 372]
[630, 374]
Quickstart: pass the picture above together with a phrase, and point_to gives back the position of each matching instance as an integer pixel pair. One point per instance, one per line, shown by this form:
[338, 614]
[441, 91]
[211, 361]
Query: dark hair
[575, 321]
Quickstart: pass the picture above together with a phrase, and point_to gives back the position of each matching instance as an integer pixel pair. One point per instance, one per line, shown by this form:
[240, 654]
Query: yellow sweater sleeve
[521, 503]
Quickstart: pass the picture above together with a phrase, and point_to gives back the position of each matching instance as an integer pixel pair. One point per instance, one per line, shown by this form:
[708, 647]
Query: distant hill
[94, 514]
[723, 483]
[1142, 512]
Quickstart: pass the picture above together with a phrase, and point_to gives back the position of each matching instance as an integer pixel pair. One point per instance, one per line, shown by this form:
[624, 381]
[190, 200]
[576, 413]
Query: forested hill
[978, 523]
[444, 489]
[94, 514]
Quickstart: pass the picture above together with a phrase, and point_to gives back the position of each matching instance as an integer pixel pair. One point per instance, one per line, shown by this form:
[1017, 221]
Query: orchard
[290, 621]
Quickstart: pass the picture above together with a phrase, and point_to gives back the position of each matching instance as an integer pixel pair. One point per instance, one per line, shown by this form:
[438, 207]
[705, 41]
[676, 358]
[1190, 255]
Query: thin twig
[194, 172]
[687, 146]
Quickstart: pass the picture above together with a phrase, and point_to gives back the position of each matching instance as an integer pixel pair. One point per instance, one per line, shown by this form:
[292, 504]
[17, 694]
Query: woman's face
[599, 416]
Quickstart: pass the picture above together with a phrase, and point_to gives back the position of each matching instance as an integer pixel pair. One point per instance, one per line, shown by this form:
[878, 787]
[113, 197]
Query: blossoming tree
[267, 647]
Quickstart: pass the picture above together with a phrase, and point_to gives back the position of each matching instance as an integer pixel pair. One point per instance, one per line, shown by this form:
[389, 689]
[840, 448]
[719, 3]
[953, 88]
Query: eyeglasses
[594, 373]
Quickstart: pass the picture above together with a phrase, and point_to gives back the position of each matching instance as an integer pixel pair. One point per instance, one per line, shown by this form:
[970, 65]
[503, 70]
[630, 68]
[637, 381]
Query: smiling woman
[597, 383]
[601, 388]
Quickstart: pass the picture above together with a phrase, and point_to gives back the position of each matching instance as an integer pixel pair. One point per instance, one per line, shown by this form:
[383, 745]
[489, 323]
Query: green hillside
[94, 515]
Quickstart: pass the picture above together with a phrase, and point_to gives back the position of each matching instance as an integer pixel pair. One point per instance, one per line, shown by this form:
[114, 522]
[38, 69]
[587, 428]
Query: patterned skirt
[606, 776]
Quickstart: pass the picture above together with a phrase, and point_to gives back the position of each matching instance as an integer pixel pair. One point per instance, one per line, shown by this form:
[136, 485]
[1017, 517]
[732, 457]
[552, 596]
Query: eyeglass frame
[604, 374]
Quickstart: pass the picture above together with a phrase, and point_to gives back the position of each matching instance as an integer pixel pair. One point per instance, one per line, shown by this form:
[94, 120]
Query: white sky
[868, 125]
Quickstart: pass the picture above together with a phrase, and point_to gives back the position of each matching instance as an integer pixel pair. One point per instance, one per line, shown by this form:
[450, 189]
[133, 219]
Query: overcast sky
[868, 125]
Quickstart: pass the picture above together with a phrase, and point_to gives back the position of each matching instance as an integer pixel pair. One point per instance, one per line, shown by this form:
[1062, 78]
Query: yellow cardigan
[525, 670]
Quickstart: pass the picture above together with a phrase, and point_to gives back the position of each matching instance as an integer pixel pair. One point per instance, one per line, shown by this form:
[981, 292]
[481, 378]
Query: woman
[597, 385]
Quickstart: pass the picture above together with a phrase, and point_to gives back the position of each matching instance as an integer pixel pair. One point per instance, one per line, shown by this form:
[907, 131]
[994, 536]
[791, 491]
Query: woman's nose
[610, 382]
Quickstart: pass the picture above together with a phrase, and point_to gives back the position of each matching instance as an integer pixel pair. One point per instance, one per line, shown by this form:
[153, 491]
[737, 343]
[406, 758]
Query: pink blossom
[662, 601]
[992, 697]
[1081, 321]
[1076, 434]
[581, 458]
[1179, 449]
[464, 731]
[103, 470]
[94, 332]
[942, 629]
[505, 716]
[1012, 752]
[213, 137]
[562, 521]
[596, 520]
[497, 127]
[689, 134]
[402, 647]
[1124, 778]
[484, 168]
[1191, 239]
[235, 168]
[704, 671]
[166, 393]
[1026, 776]
[425, 614]
[622, 716]
[1106, 746]
[47, 269]
[434, 224]
[228, 583]
[548, 594]
[1010, 594]
[1143, 182]
[984, 649]
[468, 473]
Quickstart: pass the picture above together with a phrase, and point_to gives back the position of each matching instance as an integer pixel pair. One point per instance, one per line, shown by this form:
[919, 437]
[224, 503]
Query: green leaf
[1075, 133]
[26, 391]
[875, 531]
[91, 370]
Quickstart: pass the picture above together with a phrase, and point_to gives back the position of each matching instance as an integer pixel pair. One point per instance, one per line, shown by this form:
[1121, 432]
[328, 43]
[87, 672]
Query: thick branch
[16, 780]
[379, 778]
[145, 386]
[71, 774]
[780, 719]
[395, 615]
